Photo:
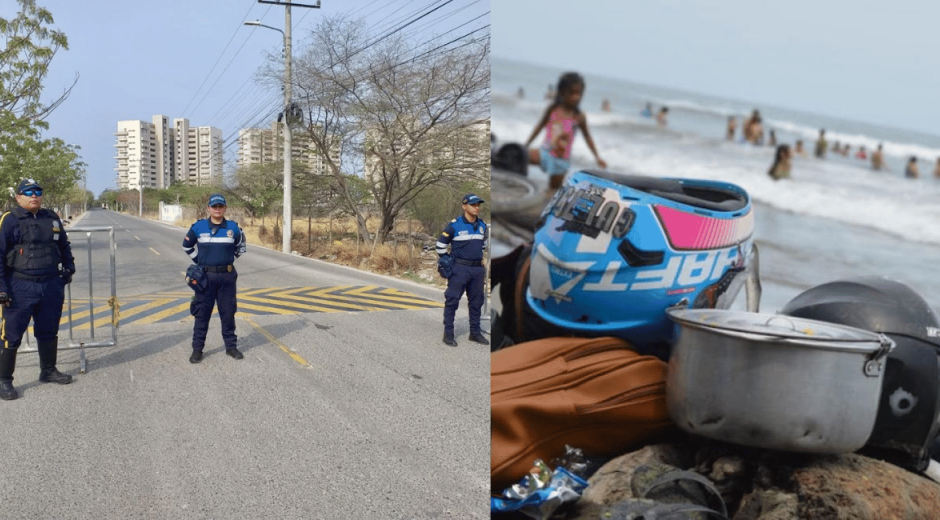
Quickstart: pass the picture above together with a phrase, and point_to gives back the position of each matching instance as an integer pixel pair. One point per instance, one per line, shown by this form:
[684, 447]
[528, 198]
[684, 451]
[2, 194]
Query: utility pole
[288, 179]
[288, 151]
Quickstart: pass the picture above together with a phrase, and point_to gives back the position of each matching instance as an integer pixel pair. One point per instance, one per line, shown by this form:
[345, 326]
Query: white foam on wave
[856, 140]
[840, 192]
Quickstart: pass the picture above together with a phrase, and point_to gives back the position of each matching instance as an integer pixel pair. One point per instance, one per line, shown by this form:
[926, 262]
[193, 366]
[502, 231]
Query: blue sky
[864, 60]
[192, 59]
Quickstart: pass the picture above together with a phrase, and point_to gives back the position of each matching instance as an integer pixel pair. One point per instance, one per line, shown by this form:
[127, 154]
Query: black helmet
[909, 412]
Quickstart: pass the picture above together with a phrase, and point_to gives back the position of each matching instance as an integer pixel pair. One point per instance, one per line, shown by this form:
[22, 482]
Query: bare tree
[415, 115]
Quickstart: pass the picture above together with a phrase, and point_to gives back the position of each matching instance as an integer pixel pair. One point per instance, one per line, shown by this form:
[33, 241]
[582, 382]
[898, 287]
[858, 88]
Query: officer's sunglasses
[218, 206]
[30, 193]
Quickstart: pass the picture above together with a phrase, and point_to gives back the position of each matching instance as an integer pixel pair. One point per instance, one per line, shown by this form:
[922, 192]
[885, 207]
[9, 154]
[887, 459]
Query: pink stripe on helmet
[689, 231]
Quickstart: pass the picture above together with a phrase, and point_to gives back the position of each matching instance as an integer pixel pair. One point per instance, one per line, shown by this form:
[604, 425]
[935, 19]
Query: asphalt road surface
[347, 404]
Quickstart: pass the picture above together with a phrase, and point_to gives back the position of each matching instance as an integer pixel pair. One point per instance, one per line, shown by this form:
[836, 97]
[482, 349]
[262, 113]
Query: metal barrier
[81, 344]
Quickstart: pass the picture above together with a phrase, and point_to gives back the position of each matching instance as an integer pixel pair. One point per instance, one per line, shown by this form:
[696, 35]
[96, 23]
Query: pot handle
[874, 365]
[781, 317]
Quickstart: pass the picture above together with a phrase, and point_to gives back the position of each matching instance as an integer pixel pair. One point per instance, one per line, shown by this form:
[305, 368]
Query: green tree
[259, 187]
[30, 46]
[438, 204]
[24, 63]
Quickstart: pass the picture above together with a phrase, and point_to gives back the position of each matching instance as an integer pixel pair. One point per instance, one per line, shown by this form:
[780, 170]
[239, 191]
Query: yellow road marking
[155, 251]
[262, 308]
[83, 314]
[153, 318]
[362, 293]
[330, 301]
[278, 302]
[333, 293]
[249, 292]
[127, 313]
[295, 356]
[325, 290]
[99, 322]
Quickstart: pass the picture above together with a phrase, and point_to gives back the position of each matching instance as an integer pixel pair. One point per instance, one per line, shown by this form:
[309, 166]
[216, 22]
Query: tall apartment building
[155, 154]
[466, 146]
[264, 145]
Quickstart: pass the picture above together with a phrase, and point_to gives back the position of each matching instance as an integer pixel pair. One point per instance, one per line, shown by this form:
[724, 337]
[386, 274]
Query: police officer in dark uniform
[467, 237]
[38, 265]
[214, 244]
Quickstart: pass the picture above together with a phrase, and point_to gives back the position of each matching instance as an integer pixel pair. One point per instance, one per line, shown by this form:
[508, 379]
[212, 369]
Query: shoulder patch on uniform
[445, 233]
[452, 221]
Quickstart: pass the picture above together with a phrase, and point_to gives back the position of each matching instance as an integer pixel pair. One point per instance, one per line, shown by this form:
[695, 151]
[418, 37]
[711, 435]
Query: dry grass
[338, 242]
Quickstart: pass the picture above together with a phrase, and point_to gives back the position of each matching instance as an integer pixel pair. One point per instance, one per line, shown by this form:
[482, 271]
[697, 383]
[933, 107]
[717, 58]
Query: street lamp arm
[257, 23]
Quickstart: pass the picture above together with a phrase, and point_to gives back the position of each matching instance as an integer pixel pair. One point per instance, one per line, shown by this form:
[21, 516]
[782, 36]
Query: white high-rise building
[263, 145]
[155, 154]
[463, 148]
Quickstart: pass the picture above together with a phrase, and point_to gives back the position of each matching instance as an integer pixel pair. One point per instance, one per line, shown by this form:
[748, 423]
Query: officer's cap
[470, 198]
[216, 198]
[27, 184]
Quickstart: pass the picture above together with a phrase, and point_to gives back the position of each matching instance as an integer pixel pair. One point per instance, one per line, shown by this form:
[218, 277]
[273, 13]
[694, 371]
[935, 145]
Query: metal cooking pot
[773, 381]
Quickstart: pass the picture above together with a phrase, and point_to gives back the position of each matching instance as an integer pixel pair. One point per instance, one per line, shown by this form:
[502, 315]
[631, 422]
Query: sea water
[834, 218]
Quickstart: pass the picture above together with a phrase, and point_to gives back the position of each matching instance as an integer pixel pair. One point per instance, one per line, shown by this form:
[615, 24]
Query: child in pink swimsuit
[561, 121]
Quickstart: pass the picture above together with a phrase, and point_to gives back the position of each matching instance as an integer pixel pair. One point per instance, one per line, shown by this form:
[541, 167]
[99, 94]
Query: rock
[611, 483]
[767, 504]
[856, 487]
[765, 485]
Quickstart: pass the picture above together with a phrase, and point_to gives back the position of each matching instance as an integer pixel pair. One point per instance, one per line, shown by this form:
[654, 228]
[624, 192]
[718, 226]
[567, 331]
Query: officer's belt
[218, 268]
[22, 276]
[461, 261]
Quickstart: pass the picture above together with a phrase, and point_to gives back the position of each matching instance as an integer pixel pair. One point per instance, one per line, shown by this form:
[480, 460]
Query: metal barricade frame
[83, 344]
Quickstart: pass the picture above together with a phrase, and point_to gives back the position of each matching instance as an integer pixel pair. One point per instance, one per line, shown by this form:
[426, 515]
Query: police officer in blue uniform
[214, 244]
[38, 265]
[466, 235]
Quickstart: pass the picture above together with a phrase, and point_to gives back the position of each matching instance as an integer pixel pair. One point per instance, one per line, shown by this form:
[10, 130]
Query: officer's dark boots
[47, 358]
[7, 364]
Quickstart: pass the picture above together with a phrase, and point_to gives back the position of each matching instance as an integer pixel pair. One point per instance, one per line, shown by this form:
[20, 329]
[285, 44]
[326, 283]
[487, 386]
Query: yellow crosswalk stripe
[278, 302]
[384, 303]
[84, 314]
[153, 318]
[325, 300]
[262, 308]
[423, 303]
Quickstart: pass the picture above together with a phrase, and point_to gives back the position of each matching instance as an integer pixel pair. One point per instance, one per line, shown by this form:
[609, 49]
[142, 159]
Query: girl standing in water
[561, 121]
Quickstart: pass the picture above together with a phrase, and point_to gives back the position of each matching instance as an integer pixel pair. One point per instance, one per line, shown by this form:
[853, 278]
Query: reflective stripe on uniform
[216, 240]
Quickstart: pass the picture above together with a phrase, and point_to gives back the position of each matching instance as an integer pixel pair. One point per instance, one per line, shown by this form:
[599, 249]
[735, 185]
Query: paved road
[347, 404]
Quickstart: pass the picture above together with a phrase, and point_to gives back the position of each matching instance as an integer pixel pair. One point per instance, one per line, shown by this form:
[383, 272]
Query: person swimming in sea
[754, 129]
[783, 162]
[821, 145]
[661, 116]
[648, 111]
[878, 159]
[911, 171]
[732, 128]
[563, 117]
[798, 148]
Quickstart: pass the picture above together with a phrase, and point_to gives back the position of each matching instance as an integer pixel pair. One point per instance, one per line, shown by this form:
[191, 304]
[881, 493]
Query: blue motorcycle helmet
[612, 252]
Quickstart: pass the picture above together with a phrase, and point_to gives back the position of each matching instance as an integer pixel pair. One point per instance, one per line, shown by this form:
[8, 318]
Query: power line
[216, 63]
